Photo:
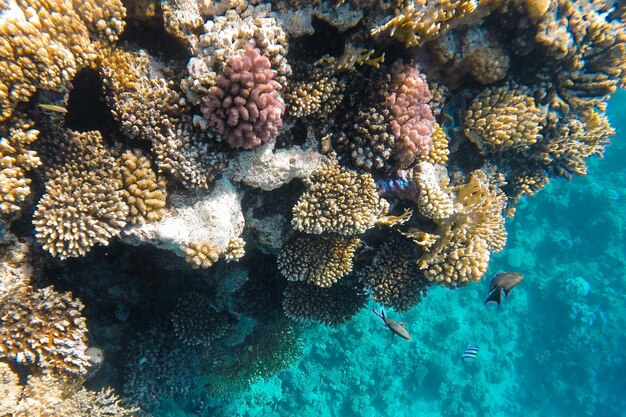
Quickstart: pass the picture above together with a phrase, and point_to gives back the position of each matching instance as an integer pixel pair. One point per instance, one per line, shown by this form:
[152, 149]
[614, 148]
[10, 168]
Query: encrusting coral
[338, 200]
[244, 104]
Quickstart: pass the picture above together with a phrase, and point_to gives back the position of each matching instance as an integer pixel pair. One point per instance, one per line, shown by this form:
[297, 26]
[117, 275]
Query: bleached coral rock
[204, 216]
[268, 169]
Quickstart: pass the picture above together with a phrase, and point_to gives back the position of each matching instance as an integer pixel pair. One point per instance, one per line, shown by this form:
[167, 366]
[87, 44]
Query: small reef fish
[470, 351]
[52, 107]
[397, 328]
[504, 281]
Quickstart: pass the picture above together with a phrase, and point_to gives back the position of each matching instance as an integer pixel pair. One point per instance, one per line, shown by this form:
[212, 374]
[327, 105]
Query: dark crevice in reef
[326, 40]
[150, 35]
[86, 108]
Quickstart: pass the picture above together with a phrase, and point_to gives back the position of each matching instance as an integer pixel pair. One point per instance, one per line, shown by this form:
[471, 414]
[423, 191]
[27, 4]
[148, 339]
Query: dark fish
[504, 281]
[470, 351]
[397, 328]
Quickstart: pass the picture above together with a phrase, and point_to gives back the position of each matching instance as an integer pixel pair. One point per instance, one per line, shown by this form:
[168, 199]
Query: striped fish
[470, 351]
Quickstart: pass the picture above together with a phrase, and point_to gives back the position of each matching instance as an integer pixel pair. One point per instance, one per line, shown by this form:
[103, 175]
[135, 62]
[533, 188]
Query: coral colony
[269, 163]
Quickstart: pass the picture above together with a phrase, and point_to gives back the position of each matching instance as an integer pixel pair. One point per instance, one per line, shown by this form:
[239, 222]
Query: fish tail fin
[382, 313]
[377, 313]
[495, 296]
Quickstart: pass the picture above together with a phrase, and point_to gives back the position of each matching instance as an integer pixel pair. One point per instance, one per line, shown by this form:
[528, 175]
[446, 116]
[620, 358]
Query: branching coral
[412, 121]
[393, 277]
[44, 328]
[484, 57]
[433, 202]
[502, 118]
[461, 254]
[202, 254]
[228, 35]
[16, 159]
[10, 389]
[338, 200]
[425, 20]
[47, 396]
[144, 194]
[318, 95]
[45, 43]
[321, 260]
[196, 322]
[334, 305]
[245, 105]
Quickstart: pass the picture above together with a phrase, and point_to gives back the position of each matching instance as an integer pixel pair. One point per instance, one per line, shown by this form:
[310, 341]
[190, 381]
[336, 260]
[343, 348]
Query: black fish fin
[495, 296]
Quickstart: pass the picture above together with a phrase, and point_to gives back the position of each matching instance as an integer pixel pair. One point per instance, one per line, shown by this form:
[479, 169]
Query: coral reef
[250, 165]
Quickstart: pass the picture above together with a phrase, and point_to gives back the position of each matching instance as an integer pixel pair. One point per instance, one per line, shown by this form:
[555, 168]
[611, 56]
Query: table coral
[245, 105]
[321, 260]
[338, 200]
[49, 396]
[44, 328]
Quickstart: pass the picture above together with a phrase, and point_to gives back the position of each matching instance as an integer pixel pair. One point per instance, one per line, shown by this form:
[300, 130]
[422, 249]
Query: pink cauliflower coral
[412, 120]
[245, 105]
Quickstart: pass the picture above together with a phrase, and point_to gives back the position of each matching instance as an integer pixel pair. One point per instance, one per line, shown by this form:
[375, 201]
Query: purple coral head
[245, 104]
[412, 119]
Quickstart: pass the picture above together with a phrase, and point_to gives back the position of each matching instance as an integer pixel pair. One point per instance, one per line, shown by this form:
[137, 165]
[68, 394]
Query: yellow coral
[78, 212]
[201, 254]
[338, 200]
[461, 254]
[484, 58]
[319, 95]
[15, 161]
[502, 118]
[235, 249]
[44, 43]
[439, 152]
[425, 20]
[144, 194]
[44, 328]
[433, 202]
[318, 259]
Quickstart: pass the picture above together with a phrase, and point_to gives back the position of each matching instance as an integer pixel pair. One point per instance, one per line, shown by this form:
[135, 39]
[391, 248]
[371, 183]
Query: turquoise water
[554, 348]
